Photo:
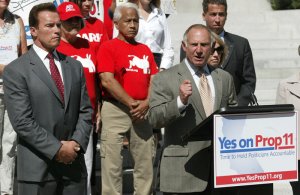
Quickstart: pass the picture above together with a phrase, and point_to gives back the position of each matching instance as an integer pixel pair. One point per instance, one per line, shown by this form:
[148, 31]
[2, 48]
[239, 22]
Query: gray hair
[200, 26]
[118, 14]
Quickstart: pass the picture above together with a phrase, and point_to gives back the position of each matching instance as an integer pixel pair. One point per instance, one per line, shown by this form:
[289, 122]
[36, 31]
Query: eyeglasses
[219, 50]
[77, 19]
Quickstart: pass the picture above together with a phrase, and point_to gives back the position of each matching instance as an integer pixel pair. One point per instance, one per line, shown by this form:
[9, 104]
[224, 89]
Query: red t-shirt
[81, 51]
[94, 32]
[132, 66]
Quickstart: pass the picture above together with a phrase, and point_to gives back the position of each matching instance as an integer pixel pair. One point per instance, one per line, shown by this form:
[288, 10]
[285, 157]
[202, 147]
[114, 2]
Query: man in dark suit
[49, 108]
[179, 102]
[240, 54]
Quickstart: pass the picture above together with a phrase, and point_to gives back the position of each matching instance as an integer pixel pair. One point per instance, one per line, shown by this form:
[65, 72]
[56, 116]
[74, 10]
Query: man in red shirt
[126, 69]
[81, 50]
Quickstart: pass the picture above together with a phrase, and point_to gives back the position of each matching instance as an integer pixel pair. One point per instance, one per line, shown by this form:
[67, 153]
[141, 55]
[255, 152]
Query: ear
[33, 31]
[183, 45]
[116, 24]
[203, 16]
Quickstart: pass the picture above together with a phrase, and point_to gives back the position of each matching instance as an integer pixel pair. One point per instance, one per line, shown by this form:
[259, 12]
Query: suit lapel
[231, 45]
[195, 99]
[41, 71]
[67, 77]
[218, 86]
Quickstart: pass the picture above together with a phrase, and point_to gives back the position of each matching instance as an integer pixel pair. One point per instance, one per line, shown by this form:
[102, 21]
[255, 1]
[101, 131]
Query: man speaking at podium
[181, 98]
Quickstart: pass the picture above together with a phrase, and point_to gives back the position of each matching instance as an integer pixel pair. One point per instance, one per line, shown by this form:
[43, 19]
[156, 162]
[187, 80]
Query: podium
[205, 131]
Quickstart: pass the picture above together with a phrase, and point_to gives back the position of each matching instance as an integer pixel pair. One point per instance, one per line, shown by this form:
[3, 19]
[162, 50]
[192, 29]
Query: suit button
[62, 106]
[66, 122]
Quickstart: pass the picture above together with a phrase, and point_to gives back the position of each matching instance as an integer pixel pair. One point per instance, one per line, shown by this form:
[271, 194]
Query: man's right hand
[185, 91]
[67, 152]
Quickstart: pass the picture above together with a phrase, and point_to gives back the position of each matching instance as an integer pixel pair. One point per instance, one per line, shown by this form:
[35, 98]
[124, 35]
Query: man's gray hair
[200, 26]
[118, 14]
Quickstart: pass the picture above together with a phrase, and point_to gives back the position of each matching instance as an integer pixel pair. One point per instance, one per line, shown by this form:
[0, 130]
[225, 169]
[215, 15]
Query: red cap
[68, 10]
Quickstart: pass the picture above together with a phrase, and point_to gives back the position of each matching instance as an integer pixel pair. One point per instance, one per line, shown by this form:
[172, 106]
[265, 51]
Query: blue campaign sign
[246, 147]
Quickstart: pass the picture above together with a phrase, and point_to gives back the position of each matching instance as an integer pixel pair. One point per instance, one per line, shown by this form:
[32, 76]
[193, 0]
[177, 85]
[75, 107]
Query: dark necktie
[56, 76]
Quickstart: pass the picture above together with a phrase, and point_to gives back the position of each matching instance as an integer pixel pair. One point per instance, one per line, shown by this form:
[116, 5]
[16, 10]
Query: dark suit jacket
[185, 166]
[239, 59]
[42, 120]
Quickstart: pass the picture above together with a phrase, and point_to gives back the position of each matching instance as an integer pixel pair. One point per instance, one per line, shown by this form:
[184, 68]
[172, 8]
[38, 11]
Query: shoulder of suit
[69, 59]
[235, 37]
[220, 71]
[168, 73]
[21, 61]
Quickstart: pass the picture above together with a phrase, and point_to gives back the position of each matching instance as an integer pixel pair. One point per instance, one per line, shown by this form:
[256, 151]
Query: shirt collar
[87, 17]
[194, 69]
[42, 53]
[155, 10]
[222, 34]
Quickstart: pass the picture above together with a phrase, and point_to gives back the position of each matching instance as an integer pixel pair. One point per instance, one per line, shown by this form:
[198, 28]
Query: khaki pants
[116, 122]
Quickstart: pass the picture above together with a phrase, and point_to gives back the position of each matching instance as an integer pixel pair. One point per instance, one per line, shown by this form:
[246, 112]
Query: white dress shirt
[156, 35]
[43, 56]
[196, 76]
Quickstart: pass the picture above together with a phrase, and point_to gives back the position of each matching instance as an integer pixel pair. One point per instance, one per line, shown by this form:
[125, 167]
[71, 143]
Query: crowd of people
[73, 78]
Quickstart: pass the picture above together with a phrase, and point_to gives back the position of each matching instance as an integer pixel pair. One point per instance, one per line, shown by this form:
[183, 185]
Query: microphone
[243, 81]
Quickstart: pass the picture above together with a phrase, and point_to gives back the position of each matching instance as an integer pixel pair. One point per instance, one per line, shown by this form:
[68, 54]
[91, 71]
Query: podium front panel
[255, 148]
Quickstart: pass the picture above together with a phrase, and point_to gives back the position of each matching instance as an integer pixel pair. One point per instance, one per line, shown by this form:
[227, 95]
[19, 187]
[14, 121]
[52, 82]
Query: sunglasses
[77, 19]
[219, 50]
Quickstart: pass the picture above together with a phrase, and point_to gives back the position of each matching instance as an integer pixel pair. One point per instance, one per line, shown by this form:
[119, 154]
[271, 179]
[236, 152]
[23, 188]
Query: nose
[85, 2]
[131, 24]
[217, 18]
[199, 49]
[215, 53]
[57, 29]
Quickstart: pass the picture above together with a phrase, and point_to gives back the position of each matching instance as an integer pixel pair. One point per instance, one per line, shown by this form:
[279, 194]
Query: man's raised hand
[185, 91]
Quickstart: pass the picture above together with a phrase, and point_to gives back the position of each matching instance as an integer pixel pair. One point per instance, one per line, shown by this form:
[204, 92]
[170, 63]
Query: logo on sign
[69, 8]
[260, 143]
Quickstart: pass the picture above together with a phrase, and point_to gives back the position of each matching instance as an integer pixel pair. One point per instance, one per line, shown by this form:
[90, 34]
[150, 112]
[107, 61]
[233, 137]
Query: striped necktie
[205, 93]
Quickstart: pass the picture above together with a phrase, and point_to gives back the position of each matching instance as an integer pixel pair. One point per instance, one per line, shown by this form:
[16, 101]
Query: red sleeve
[106, 58]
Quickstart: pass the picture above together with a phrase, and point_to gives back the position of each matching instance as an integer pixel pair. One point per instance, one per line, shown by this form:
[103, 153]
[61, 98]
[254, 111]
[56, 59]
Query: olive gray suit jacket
[41, 119]
[185, 166]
